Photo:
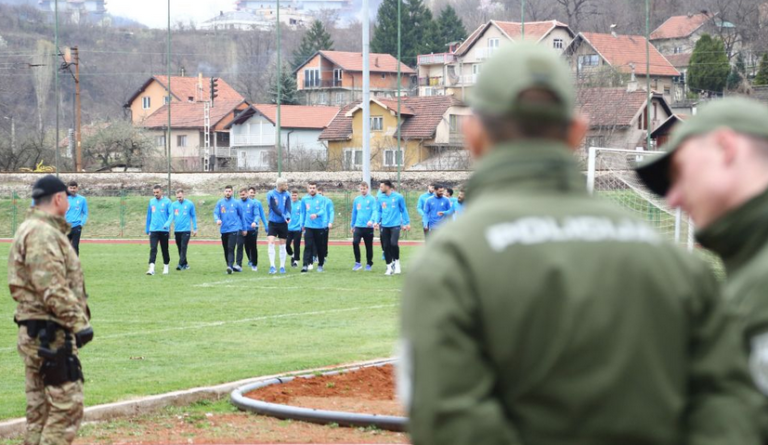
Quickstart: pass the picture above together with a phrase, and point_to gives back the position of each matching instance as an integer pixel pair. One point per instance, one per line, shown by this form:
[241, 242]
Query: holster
[59, 366]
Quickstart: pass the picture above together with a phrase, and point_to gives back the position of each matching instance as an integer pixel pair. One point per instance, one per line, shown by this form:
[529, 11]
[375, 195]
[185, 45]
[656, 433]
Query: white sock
[271, 252]
[283, 255]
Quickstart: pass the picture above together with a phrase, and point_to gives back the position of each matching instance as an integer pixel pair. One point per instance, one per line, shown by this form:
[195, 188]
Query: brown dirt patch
[368, 390]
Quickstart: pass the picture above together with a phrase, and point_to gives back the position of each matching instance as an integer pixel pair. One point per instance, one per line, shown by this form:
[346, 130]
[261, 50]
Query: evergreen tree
[450, 28]
[709, 67]
[762, 72]
[315, 39]
[385, 33]
[737, 75]
[418, 30]
[288, 91]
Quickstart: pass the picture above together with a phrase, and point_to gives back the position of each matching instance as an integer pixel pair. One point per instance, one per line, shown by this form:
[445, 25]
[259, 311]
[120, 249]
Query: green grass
[201, 327]
[125, 217]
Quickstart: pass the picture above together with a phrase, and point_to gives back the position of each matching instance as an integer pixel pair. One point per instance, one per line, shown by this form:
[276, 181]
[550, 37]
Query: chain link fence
[122, 215]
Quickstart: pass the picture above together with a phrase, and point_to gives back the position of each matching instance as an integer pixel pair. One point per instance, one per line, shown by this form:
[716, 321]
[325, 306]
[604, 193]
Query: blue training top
[364, 210]
[77, 215]
[157, 214]
[229, 212]
[183, 216]
[279, 205]
[392, 211]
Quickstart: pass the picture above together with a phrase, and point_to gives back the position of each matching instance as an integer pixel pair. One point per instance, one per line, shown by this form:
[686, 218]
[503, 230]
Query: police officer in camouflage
[544, 316]
[716, 170]
[45, 279]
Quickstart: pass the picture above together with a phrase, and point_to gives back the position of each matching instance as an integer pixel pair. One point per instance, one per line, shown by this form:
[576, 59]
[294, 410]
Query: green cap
[739, 114]
[518, 67]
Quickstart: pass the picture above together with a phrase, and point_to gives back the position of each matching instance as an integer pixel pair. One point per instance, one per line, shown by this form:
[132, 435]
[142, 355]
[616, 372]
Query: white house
[252, 133]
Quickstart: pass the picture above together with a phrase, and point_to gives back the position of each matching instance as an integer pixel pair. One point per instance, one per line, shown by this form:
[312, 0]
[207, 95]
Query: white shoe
[151, 270]
[390, 270]
[397, 267]
[165, 269]
[311, 266]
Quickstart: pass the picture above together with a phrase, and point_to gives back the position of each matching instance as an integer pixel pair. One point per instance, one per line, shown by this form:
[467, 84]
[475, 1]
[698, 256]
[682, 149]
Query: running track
[347, 242]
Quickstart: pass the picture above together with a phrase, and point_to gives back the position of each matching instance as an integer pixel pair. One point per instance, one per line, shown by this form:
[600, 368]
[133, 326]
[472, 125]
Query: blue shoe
[357, 267]
[250, 264]
[282, 270]
[272, 270]
[368, 268]
[319, 268]
[383, 257]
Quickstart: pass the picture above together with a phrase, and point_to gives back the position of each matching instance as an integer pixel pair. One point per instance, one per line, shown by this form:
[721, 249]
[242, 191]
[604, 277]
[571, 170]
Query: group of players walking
[288, 219]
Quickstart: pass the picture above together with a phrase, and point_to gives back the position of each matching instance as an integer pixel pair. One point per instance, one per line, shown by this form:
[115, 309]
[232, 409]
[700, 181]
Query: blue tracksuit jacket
[392, 211]
[77, 215]
[313, 205]
[279, 205]
[435, 205]
[229, 212]
[364, 210]
[157, 214]
[183, 216]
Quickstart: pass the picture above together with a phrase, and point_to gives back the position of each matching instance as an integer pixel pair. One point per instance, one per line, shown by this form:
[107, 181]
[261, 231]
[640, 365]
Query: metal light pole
[366, 95]
[56, 76]
[168, 142]
[648, 75]
[522, 19]
[278, 130]
[399, 84]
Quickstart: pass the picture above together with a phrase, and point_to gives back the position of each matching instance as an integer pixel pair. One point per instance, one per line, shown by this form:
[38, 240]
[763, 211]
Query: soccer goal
[610, 175]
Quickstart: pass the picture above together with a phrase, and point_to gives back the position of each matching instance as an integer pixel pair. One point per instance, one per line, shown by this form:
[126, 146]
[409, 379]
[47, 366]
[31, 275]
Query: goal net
[610, 175]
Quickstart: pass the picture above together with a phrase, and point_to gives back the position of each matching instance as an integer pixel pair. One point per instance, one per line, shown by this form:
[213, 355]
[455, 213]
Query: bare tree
[118, 144]
[576, 11]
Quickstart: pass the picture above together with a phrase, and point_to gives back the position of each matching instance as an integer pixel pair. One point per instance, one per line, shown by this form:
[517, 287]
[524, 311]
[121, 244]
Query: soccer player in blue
[458, 205]
[184, 220]
[313, 207]
[364, 216]
[330, 217]
[229, 217]
[77, 215]
[279, 202]
[157, 214]
[293, 242]
[420, 206]
[436, 209]
[253, 213]
[392, 217]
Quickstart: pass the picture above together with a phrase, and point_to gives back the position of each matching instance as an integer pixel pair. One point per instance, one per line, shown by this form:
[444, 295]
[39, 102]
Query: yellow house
[431, 126]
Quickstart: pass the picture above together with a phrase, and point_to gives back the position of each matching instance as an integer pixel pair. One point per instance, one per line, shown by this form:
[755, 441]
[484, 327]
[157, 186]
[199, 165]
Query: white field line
[247, 280]
[228, 322]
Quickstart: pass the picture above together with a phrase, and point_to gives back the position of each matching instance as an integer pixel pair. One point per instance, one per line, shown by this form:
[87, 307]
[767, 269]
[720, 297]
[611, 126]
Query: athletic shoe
[357, 267]
[179, 267]
[383, 257]
[390, 270]
[254, 268]
[165, 269]
[397, 267]
[319, 268]
[250, 264]
[151, 270]
[272, 270]
[294, 264]
[311, 266]
[304, 269]
[186, 267]
[237, 268]
[229, 270]
[282, 270]
[368, 268]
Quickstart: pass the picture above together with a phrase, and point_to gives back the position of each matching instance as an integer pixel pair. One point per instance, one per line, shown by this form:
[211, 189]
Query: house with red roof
[430, 129]
[612, 60]
[455, 72]
[253, 133]
[153, 94]
[336, 77]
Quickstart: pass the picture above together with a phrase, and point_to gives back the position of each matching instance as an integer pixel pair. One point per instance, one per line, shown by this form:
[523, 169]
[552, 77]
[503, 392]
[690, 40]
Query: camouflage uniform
[45, 279]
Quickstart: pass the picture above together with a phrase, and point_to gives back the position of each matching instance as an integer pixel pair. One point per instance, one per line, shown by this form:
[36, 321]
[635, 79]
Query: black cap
[46, 186]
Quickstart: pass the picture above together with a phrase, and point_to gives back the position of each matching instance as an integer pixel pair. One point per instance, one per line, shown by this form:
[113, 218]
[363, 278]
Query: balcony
[436, 59]
[253, 140]
[318, 83]
[430, 81]
[484, 53]
[431, 91]
[467, 80]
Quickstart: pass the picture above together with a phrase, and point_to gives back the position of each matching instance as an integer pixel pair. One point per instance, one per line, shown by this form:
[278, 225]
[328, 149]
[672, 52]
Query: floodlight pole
[366, 95]
[522, 19]
[56, 75]
[648, 75]
[399, 84]
[168, 142]
[278, 130]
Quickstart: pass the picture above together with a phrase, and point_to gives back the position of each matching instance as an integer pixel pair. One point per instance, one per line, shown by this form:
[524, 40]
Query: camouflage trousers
[54, 413]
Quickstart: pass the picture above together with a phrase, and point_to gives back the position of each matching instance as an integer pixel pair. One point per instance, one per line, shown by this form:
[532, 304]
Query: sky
[153, 12]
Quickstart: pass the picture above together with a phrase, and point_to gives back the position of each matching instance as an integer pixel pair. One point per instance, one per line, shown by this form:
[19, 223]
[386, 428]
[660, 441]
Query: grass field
[156, 334]
[125, 217]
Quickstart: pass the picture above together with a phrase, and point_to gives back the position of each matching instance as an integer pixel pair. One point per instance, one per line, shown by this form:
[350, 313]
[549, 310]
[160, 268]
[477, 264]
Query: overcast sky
[153, 12]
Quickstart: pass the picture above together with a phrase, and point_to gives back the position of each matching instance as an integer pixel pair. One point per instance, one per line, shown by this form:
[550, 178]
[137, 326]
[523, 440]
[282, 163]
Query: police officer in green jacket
[716, 169]
[544, 316]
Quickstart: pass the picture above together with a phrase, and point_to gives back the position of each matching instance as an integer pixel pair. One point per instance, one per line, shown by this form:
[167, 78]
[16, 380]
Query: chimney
[183, 72]
[632, 84]
[376, 62]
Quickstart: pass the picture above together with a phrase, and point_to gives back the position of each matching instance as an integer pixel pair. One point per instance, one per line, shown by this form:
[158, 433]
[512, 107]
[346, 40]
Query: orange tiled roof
[378, 63]
[296, 116]
[613, 107]
[189, 114]
[680, 26]
[621, 52]
[679, 60]
[534, 31]
[182, 88]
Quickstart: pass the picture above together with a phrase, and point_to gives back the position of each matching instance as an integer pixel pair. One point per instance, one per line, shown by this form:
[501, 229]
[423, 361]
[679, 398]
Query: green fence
[124, 215]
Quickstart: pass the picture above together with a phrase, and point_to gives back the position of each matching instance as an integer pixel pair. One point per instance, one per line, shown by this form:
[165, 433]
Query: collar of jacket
[57, 222]
[534, 164]
[740, 234]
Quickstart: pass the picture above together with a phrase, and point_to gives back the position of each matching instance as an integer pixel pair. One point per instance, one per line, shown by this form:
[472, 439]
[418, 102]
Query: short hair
[312, 183]
[157, 187]
[72, 184]
[439, 186]
[433, 185]
[251, 188]
[364, 183]
[228, 187]
[387, 182]
[511, 128]
[243, 190]
[280, 181]
[449, 191]
[179, 191]
[294, 191]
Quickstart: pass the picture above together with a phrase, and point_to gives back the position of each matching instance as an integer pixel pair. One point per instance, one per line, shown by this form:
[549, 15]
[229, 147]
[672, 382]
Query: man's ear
[729, 144]
[475, 138]
[577, 131]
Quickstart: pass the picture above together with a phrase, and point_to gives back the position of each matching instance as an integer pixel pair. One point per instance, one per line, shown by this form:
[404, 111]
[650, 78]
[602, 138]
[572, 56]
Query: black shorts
[279, 230]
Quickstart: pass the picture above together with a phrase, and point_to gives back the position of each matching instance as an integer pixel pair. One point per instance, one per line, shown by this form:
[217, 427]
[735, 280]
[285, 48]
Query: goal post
[611, 175]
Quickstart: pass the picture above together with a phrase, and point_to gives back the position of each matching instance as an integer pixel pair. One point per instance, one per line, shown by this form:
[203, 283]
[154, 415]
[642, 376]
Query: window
[311, 78]
[166, 100]
[678, 49]
[389, 158]
[353, 158]
[377, 123]
[383, 76]
[493, 44]
[557, 44]
[145, 102]
[589, 60]
[455, 121]
[476, 69]
[160, 141]
[667, 91]
[322, 99]
[181, 140]
[339, 99]
[337, 76]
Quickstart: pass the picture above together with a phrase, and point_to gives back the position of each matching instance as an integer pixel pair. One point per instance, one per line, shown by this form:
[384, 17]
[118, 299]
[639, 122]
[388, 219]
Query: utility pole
[78, 111]
[366, 95]
[522, 19]
[279, 130]
[648, 75]
[168, 141]
[399, 117]
[56, 71]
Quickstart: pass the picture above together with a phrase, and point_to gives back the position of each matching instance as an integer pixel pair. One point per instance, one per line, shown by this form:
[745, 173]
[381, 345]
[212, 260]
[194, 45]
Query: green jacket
[741, 239]
[544, 316]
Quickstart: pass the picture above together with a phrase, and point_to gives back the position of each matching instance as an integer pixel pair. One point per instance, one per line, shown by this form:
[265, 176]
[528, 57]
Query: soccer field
[156, 334]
